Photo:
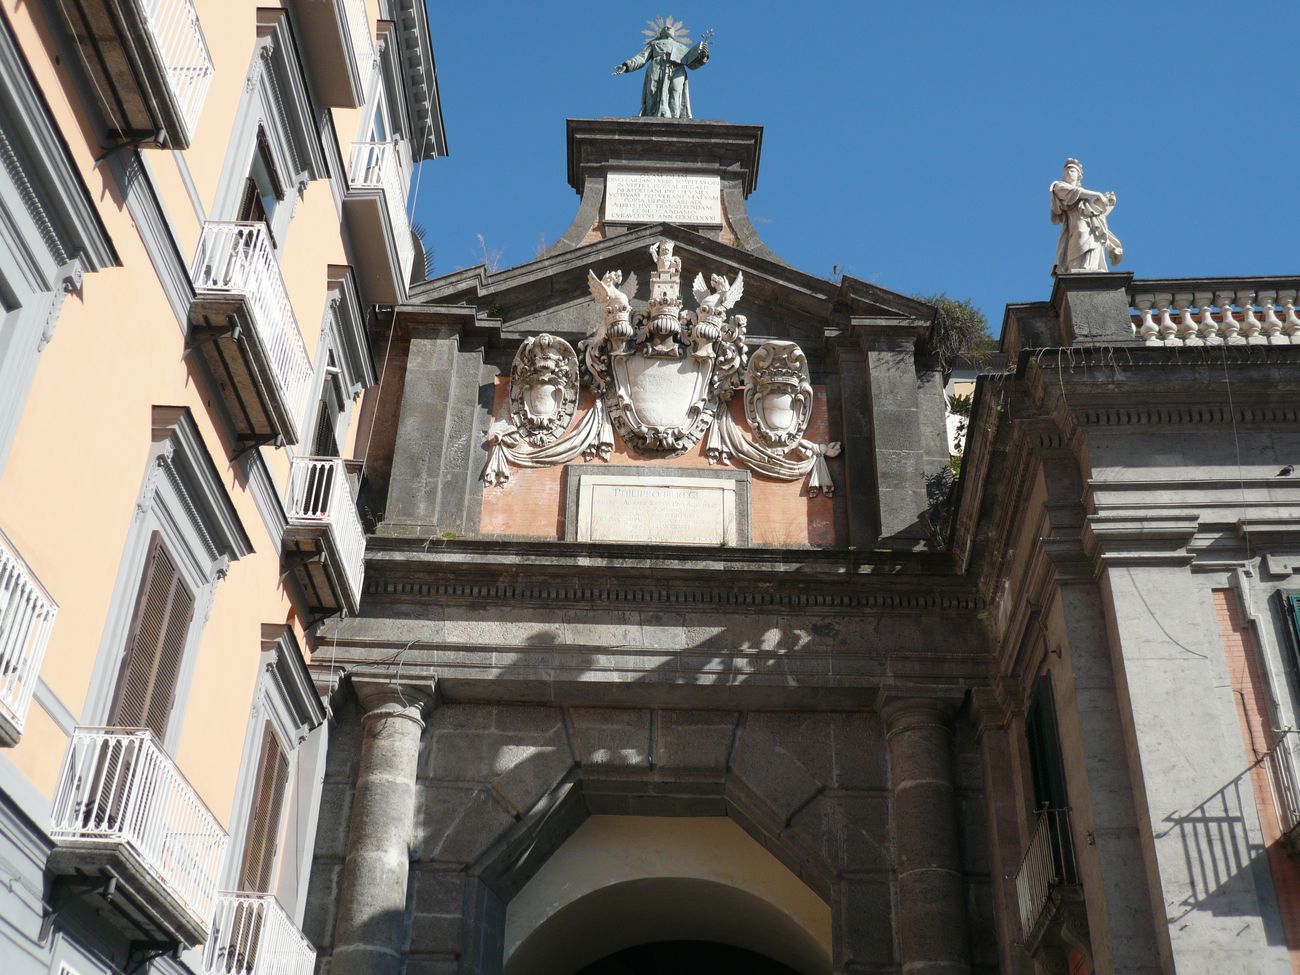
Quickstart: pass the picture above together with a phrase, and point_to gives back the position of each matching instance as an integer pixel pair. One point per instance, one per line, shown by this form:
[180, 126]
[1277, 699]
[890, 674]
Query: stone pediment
[551, 293]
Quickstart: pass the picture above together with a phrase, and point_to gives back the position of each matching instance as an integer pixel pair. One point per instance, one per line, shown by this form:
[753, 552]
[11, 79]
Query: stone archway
[622, 881]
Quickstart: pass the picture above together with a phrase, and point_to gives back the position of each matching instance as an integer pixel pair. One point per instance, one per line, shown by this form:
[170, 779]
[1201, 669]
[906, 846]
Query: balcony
[252, 935]
[375, 208]
[1052, 916]
[243, 325]
[133, 837]
[338, 45]
[148, 64]
[325, 545]
[1282, 764]
[26, 618]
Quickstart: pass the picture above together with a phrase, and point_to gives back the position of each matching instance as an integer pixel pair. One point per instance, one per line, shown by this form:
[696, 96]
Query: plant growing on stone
[959, 331]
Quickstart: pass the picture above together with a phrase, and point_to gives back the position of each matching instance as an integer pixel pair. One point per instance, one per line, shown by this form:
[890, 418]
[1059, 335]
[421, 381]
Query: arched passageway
[685, 958]
[653, 883]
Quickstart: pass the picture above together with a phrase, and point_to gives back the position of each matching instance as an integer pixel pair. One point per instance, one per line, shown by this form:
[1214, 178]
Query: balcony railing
[237, 259]
[378, 165]
[184, 54]
[26, 618]
[1282, 763]
[119, 790]
[1047, 864]
[1216, 312]
[363, 46]
[319, 495]
[252, 935]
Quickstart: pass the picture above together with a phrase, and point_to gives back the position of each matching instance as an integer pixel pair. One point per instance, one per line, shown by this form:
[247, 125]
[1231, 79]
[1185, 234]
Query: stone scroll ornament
[663, 378]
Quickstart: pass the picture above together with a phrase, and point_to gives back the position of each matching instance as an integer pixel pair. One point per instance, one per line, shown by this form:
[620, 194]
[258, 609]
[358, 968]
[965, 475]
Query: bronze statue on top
[667, 56]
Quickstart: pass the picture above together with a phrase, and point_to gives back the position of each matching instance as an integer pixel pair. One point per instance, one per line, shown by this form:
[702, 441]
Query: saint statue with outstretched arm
[667, 56]
[1086, 241]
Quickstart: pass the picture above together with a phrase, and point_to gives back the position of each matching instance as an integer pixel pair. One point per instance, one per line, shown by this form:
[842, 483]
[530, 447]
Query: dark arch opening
[685, 958]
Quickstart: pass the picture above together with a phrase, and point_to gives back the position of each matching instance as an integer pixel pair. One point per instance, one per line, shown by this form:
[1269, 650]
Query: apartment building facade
[203, 202]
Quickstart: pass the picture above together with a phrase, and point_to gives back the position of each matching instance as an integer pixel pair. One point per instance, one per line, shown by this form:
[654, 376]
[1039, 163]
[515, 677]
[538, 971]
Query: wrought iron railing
[319, 495]
[184, 51]
[252, 935]
[26, 617]
[379, 165]
[1048, 863]
[363, 47]
[237, 258]
[119, 788]
[1282, 762]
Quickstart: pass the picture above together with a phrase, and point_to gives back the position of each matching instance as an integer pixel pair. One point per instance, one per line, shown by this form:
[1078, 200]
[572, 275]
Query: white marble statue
[1086, 241]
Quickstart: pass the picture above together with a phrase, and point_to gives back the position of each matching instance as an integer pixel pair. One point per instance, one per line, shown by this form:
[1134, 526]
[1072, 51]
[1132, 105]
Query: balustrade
[119, 789]
[378, 165]
[1239, 316]
[183, 50]
[1048, 863]
[26, 617]
[319, 495]
[238, 259]
[252, 935]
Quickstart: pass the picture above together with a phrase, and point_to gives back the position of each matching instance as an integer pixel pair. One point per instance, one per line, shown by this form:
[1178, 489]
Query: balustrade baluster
[1250, 325]
[1168, 328]
[1229, 326]
[1147, 331]
[1186, 322]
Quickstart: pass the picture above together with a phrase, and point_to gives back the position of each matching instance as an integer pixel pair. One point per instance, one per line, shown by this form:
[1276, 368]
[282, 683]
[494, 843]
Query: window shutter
[261, 836]
[146, 687]
[250, 206]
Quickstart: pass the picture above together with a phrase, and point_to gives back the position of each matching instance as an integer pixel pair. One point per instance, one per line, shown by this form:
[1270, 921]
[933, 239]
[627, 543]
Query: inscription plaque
[663, 197]
[660, 509]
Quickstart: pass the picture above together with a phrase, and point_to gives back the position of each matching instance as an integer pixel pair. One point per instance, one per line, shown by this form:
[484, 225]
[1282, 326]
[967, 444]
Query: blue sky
[909, 143]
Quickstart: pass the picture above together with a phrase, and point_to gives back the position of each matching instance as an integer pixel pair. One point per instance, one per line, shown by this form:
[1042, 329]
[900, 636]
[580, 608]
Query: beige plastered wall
[69, 489]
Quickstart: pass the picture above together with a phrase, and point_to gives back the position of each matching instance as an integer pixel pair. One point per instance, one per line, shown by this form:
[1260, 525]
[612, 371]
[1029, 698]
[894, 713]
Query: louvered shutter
[262, 835]
[146, 687]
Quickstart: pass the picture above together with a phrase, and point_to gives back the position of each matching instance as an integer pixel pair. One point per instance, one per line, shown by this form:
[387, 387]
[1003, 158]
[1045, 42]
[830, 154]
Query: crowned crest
[778, 394]
[663, 387]
[543, 388]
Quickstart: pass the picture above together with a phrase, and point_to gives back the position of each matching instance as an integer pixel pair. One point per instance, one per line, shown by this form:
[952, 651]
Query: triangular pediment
[551, 293]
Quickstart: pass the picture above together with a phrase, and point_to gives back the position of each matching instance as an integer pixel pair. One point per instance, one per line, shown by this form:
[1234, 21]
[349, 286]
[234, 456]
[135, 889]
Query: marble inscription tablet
[659, 508]
[666, 197]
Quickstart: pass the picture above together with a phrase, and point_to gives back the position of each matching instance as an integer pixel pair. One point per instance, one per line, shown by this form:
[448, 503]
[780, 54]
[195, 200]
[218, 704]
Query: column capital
[383, 697]
[910, 711]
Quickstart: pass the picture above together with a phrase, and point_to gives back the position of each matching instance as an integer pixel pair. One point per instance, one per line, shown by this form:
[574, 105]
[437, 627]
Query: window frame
[183, 502]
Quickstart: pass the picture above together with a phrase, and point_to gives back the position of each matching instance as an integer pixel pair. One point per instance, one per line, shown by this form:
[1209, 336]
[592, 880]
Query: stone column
[369, 935]
[931, 894]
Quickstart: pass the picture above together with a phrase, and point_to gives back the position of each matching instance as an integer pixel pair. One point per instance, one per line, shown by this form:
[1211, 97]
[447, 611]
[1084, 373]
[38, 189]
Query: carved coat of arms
[662, 378]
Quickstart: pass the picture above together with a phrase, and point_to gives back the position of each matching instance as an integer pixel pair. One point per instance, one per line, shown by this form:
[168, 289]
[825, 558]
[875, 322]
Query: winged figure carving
[718, 296]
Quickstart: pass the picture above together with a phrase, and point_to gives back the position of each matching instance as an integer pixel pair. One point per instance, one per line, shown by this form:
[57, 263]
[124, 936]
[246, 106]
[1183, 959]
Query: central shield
[661, 405]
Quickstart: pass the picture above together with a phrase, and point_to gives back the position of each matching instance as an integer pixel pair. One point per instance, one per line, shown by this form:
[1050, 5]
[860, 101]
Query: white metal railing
[319, 495]
[379, 165]
[239, 259]
[363, 47]
[252, 935]
[184, 51]
[1048, 863]
[1215, 316]
[26, 618]
[1282, 762]
[119, 788]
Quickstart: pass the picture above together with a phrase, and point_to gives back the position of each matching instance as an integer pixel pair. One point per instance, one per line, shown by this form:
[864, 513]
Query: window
[183, 537]
[330, 412]
[257, 866]
[263, 192]
[146, 686]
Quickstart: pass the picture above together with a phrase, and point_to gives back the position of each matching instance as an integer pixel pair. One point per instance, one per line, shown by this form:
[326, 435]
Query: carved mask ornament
[543, 388]
[778, 394]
